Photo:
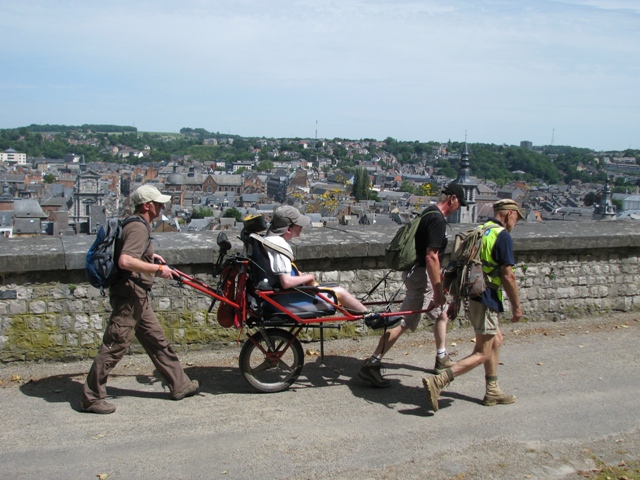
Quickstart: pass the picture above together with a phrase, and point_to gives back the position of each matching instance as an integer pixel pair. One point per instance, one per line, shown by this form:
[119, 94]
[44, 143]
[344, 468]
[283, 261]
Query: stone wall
[48, 311]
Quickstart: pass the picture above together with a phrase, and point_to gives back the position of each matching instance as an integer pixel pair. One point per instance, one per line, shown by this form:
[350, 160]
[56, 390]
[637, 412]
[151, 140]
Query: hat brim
[162, 199]
[302, 221]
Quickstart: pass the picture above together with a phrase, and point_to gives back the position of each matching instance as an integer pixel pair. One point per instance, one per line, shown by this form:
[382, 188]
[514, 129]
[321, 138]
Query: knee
[497, 341]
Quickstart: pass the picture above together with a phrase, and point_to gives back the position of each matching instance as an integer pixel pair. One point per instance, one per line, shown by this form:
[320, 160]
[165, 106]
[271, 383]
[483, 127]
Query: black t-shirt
[432, 232]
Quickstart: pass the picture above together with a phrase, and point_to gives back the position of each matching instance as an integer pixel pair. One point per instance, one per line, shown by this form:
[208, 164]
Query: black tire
[273, 375]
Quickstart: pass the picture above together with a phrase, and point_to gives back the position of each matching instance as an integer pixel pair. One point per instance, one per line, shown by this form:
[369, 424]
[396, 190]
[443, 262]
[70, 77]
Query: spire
[464, 174]
[605, 210]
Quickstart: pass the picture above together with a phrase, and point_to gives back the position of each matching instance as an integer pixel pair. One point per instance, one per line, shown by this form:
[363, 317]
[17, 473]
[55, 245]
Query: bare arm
[132, 264]
[511, 289]
[433, 272]
[290, 281]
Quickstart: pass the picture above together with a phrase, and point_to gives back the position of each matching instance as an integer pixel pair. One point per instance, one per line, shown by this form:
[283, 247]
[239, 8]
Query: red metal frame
[242, 312]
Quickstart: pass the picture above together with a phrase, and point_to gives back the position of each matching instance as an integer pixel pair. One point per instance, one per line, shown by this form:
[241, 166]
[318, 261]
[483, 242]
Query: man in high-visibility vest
[497, 259]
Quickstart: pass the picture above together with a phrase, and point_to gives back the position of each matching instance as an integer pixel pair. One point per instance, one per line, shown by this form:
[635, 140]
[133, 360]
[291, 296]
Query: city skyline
[561, 72]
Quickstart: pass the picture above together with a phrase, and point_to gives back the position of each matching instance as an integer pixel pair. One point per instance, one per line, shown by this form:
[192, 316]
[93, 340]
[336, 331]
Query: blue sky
[502, 71]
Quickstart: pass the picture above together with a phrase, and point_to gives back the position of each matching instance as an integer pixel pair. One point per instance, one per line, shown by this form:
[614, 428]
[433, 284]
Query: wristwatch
[159, 271]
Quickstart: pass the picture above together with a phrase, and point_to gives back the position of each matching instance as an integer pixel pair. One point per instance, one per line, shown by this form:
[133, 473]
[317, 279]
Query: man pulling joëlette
[131, 309]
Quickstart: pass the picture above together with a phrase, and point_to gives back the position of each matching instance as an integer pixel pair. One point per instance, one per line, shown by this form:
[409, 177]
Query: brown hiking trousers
[132, 315]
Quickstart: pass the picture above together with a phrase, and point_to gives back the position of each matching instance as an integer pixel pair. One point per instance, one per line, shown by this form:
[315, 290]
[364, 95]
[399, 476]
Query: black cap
[455, 189]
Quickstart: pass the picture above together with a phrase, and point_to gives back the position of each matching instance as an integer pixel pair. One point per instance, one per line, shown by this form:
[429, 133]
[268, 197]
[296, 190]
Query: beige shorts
[419, 294]
[484, 320]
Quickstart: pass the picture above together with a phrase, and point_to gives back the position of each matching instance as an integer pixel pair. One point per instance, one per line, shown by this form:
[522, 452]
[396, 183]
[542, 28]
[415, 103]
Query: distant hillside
[83, 128]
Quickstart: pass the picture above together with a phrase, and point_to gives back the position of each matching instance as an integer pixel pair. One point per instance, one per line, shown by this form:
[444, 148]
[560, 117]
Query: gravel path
[577, 383]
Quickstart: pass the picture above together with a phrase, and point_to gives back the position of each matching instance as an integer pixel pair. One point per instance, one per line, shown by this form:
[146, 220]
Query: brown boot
[435, 385]
[495, 396]
[443, 363]
[371, 373]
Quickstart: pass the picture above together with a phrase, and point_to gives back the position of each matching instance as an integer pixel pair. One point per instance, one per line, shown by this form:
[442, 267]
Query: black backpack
[101, 266]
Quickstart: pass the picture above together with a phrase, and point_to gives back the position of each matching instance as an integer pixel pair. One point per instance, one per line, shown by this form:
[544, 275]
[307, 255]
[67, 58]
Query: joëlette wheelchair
[272, 357]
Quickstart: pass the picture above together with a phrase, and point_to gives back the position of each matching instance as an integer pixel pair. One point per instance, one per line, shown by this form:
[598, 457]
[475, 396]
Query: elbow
[432, 259]
[286, 281]
[124, 262]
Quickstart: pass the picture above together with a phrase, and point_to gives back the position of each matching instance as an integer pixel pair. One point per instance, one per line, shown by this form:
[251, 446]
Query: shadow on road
[220, 380]
[405, 399]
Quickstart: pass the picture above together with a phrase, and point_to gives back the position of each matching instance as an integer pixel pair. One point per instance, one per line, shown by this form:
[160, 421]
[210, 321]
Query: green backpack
[400, 254]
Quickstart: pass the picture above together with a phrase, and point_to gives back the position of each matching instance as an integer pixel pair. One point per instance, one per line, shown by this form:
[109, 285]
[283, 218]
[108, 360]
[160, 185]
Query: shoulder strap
[269, 244]
[136, 218]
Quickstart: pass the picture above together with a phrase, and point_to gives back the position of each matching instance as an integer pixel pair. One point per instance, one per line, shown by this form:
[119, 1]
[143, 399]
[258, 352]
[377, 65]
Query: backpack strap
[485, 229]
[136, 277]
[269, 244]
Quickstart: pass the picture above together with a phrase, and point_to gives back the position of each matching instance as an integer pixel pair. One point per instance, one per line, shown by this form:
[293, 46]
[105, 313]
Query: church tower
[468, 214]
[605, 210]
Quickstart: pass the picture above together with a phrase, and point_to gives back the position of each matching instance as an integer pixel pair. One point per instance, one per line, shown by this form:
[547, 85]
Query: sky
[546, 71]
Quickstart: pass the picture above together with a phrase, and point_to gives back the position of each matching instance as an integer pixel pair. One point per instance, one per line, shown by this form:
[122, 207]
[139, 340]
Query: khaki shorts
[419, 294]
[484, 320]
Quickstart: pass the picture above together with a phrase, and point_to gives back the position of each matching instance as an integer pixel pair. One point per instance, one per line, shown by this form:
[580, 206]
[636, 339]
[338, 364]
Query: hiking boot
[495, 396]
[188, 390]
[371, 373]
[443, 363]
[99, 406]
[434, 385]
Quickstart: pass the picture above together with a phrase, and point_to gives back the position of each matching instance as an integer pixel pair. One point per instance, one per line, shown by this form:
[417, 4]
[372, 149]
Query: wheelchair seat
[302, 302]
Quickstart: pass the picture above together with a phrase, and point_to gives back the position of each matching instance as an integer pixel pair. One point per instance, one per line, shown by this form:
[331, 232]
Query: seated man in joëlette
[287, 223]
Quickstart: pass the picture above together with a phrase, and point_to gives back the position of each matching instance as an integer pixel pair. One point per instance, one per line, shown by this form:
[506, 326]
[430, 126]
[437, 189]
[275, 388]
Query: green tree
[265, 166]
[49, 178]
[201, 212]
[408, 187]
[233, 212]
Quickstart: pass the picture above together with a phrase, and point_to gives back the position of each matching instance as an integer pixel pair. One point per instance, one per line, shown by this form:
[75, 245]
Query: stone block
[17, 307]
[178, 303]
[24, 293]
[75, 306]
[66, 322]
[59, 291]
[37, 307]
[33, 323]
[71, 339]
[95, 322]
[177, 335]
[80, 322]
[55, 307]
[164, 304]
[81, 291]
[86, 338]
[332, 276]
[199, 318]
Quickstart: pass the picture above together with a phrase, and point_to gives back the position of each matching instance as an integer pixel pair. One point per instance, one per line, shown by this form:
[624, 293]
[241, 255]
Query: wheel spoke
[276, 370]
[262, 367]
[284, 366]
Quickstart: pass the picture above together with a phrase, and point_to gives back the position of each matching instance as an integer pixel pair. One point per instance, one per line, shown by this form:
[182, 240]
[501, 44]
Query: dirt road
[577, 383]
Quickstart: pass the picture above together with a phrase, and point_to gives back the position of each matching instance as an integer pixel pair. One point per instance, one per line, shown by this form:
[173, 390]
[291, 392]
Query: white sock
[442, 352]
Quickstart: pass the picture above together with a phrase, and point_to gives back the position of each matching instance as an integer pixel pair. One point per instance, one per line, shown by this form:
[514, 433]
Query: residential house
[28, 217]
